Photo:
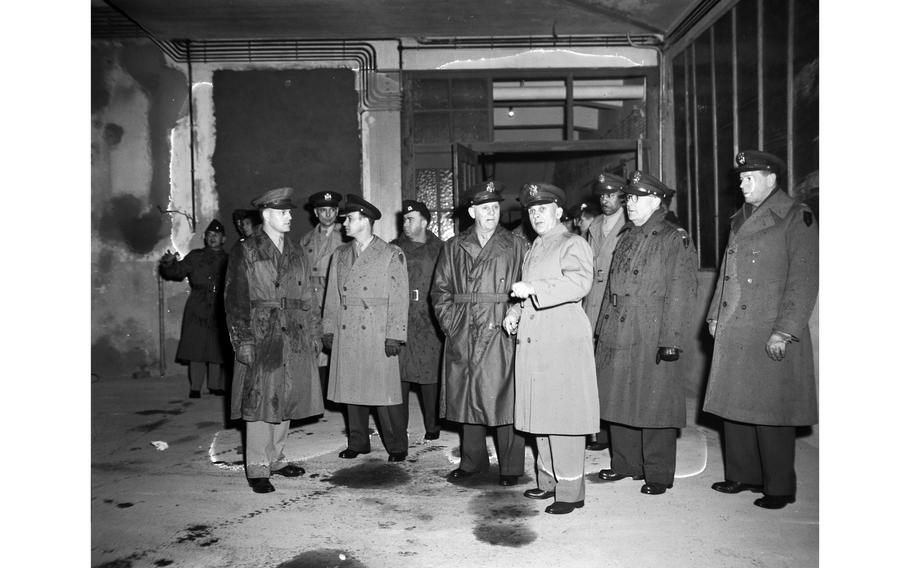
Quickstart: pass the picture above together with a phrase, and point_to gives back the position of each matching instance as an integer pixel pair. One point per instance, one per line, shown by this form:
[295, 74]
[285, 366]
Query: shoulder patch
[807, 218]
[684, 236]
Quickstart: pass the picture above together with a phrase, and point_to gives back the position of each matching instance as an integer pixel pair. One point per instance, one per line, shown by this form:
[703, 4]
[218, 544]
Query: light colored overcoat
[555, 380]
[366, 302]
[603, 247]
[768, 281]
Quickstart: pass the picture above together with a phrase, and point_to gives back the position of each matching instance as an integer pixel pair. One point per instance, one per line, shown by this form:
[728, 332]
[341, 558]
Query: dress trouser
[510, 449]
[394, 433]
[429, 400]
[561, 466]
[265, 447]
[761, 455]
[197, 372]
[644, 451]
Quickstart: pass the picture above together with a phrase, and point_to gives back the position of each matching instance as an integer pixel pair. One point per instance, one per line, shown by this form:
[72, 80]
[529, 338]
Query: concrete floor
[189, 504]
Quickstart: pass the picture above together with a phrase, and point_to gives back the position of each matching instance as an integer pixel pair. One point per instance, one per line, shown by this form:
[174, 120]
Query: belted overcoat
[470, 296]
[366, 302]
[270, 305]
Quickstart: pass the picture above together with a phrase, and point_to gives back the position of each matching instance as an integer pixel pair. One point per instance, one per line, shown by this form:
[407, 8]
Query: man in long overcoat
[419, 360]
[555, 379]
[273, 320]
[603, 234]
[203, 331]
[365, 321]
[474, 275]
[318, 246]
[762, 380]
[641, 331]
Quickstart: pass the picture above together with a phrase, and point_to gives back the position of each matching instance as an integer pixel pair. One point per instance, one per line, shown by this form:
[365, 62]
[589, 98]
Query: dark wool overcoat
[203, 332]
[270, 305]
[555, 380]
[650, 304]
[768, 281]
[419, 360]
[477, 385]
[366, 302]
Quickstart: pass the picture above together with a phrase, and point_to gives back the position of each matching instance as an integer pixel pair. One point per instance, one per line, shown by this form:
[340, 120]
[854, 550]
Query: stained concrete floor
[167, 489]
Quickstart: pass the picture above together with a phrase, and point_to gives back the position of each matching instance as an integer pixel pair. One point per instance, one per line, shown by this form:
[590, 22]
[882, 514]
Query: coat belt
[362, 301]
[616, 299]
[283, 303]
[480, 298]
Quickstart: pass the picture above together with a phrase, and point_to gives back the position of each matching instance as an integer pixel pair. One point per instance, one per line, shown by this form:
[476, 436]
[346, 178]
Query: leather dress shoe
[508, 480]
[195, 394]
[538, 493]
[290, 470]
[261, 485]
[775, 501]
[349, 454]
[397, 456]
[563, 507]
[655, 488]
[460, 474]
[610, 475]
[431, 436]
[597, 446]
[732, 487]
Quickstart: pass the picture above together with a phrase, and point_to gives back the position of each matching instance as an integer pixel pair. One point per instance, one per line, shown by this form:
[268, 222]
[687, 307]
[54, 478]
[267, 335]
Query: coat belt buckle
[415, 295]
[600, 274]
[614, 299]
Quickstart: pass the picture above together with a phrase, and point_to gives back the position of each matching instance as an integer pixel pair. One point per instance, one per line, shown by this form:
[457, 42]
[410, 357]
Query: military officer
[582, 215]
[318, 245]
[762, 380]
[273, 319]
[420, 357]
[474, 275]
[554, 401]
[365, 323]
[203, 333]
[641, 330]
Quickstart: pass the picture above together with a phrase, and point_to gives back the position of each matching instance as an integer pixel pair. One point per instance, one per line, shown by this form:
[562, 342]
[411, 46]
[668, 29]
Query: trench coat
[477, 385]
[203, 331]
[768, 281]
[650, 304]
[555, 379]
[270, 305]
[603, 247]
[420, 357]
[366, 302]
[318, 248]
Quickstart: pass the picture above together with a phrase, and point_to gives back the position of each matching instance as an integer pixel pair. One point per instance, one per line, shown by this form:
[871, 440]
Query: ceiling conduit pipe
[531, 93]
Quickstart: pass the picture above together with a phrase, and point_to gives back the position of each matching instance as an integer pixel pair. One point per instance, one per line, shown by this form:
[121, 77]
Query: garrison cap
[576, 210]
[538, 193]
[607, 183]
[409, 206]
[485, 192]
[645, 184]
[752, 160]
[215, 226]
[356, 203]
[324, 199]
[279, 198]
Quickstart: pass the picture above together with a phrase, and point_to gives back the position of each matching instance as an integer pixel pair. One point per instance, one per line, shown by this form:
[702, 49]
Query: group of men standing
[551, 339]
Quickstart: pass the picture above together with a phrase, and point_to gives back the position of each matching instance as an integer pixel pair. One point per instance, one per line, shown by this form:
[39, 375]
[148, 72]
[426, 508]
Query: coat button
[345, 307]
[283, 329]
[532, 316]
[749, 280]
[635, 271]
[363, 327]
[724, 304]
[730, 251]
[623, 318]
[743, 306]
[726, 277]
[345, 288]
[529, 340]
[344, 326]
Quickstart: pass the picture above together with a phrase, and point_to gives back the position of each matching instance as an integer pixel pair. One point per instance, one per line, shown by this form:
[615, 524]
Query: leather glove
[245, 354]
[776, 347]
[327, 340]
[667, 354]
[712, 327]
[392, 347]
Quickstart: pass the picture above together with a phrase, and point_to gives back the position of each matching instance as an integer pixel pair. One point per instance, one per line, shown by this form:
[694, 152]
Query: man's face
[415, 225]
[355, 224]
[245, 226]
[757, 185]
[279, 220]
[326, 215]
[485, 215]
[610, 203]
[640, 208]
[544, 217]
[213, 240]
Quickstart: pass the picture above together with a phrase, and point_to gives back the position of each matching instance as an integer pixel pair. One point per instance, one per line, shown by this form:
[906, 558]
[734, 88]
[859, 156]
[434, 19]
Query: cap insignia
[490, 186]
[532, 190]
[741, 158]
[327, 196]
[601, 178]
[636, 176]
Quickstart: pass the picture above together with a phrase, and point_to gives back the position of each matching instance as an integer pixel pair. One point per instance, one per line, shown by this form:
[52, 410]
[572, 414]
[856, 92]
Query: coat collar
[652, 223]
[768, 213]
[499, 241]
